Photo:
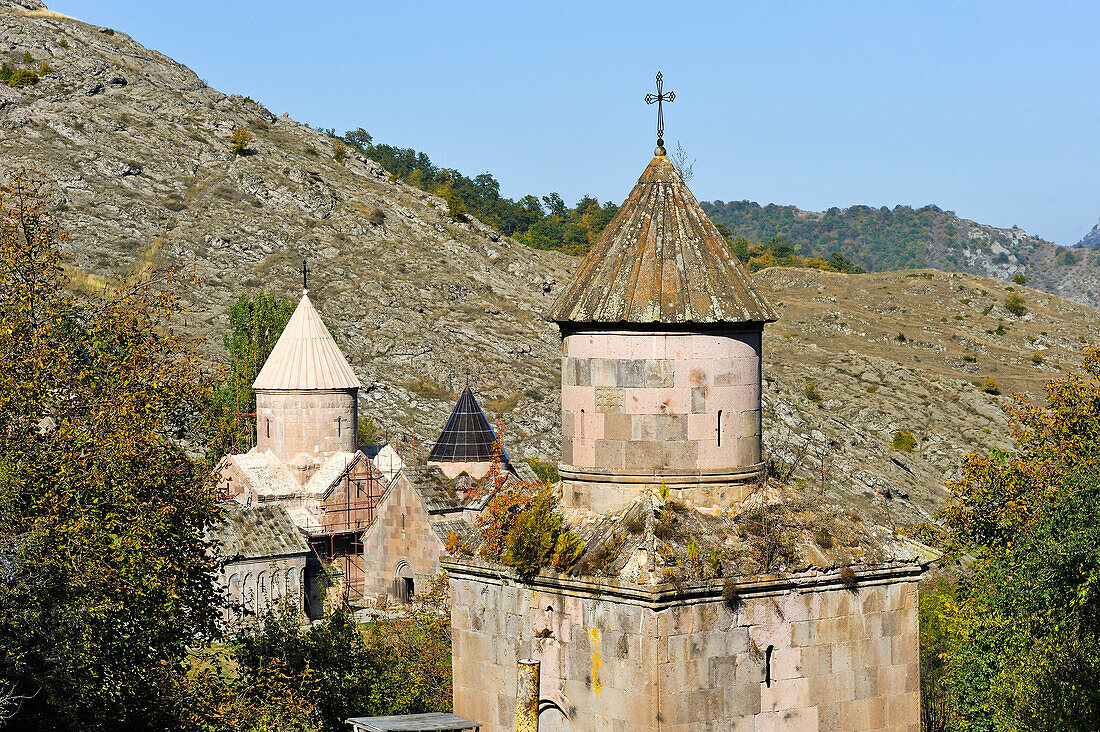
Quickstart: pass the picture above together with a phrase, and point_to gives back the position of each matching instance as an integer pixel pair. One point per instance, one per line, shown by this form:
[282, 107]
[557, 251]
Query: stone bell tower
[661, 335]
[306, 395]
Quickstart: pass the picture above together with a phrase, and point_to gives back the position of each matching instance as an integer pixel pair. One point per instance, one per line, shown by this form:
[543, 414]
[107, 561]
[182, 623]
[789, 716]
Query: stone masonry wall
[839, 659]
[657, 404]
[292, 422]
[401, 532]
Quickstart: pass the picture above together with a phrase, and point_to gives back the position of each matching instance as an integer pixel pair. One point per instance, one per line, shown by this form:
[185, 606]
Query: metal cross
[660, 97]
[305, 274]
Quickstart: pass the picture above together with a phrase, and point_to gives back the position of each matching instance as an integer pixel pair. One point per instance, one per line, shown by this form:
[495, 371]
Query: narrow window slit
[768, 666]
[719, 428]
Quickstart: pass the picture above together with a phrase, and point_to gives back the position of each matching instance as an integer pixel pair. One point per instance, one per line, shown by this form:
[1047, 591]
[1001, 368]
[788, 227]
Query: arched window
[719, 428]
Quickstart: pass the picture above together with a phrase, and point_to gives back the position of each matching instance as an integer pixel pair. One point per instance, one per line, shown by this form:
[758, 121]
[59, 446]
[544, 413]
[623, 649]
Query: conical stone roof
[306, 356]
[467, 437]
[661, 260]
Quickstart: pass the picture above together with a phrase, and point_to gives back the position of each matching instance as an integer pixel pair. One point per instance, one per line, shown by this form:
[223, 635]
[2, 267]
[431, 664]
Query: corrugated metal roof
[661, 260]
[306, 356]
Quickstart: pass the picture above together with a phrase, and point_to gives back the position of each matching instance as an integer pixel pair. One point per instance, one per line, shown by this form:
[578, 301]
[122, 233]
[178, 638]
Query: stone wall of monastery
[839, 659]
[317, 423]
[640, 407]
[401, 533]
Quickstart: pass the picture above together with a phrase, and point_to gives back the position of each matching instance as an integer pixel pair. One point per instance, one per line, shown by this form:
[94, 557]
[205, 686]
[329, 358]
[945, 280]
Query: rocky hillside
[139, 148]
[883, 239]
[1091, 240]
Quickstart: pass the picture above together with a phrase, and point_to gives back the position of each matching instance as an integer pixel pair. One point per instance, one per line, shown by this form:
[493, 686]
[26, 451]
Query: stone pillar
[643, 407]
[527, 696]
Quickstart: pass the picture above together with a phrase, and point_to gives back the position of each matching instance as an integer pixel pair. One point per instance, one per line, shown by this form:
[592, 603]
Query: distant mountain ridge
[885, 239]
[1091, 240]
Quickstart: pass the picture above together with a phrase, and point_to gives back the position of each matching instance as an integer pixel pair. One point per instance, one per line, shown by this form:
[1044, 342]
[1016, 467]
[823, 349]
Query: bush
[1037, 358]
[536, 539]
[6, 71]
[456, 209]
[339, 151]
[1015, 303]
[1065, 257]
[1019, 279]
[23, 77]
[63, 43]
[376, 217]
[28, 58]
[811, 393]
[545, 470]
[990, 386]
[240, 139]
[903, 441]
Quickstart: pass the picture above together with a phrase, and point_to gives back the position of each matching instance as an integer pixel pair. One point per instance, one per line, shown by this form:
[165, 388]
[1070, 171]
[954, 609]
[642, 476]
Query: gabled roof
[260, 531]
[467, 437]
[306, 356]
[661, 260]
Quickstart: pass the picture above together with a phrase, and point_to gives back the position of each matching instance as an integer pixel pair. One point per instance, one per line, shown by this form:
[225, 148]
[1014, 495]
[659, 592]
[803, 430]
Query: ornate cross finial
[660, 97]
[305, 274]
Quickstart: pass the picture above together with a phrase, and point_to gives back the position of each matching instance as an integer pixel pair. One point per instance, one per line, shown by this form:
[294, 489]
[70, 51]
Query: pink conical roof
[306, 357]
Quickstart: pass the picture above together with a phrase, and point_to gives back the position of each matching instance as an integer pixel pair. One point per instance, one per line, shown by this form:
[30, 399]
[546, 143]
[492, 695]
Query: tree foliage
[878, 239]
[256, 322]
[105, 578]
[544, 224]
[398, 665]
[1024, 621]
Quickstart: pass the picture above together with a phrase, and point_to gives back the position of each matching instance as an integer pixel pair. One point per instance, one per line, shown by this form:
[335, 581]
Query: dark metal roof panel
[467, 437]
[661, 260]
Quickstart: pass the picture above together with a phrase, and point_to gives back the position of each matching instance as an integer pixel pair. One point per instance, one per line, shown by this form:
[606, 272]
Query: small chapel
[707, 597]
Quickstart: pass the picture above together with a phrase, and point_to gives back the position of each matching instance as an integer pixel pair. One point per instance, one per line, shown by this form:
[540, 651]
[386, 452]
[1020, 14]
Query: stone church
[306, 461]
[376, 527]
[708, 598]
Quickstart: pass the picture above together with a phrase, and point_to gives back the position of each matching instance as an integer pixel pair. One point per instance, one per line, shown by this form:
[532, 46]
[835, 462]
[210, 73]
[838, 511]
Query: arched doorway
[404, 584]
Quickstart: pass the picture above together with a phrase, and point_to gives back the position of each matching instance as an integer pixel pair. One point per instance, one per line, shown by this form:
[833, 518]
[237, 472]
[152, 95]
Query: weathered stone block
[698, 400]
[660, 373]
[630, 373]
[644, 427]
[618, 426]
[681, 455]
[672, 427]
[610, 454]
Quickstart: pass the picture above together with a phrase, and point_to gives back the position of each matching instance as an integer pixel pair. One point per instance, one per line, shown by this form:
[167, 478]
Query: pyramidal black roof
[467, 437]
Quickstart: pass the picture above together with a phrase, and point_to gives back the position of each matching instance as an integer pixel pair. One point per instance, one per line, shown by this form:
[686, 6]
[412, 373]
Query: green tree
[1025, 647]
[398, 666]
[256, 322]
[105, 578]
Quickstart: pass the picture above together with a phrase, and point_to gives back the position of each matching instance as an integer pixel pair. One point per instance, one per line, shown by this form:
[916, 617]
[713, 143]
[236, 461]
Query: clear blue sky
[990, 109]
